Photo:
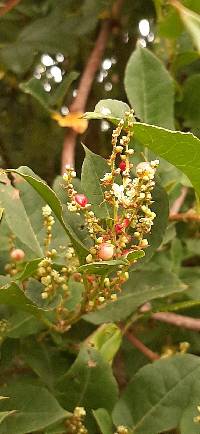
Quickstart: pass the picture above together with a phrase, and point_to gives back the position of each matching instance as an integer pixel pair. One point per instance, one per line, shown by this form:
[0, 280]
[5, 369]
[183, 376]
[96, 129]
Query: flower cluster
[48, 223]
[130, 199]
[50, 278]
[122, 430]
[74, 424]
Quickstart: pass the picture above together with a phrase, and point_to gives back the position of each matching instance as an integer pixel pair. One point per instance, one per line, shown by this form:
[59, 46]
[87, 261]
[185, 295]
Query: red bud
[81, 199]
[122, 166]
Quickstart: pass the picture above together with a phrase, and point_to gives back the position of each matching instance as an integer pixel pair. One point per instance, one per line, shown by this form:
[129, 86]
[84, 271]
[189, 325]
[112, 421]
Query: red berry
[122, 166]
[106, 251]
[81, 199]
[118, 228]
[17, 254]
[126, 223]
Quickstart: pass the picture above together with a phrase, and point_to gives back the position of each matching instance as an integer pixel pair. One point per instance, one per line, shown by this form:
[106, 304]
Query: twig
[178, 320]
[189, 216]
[85, 84]
[151, 355]
[10, 4]
[176, 206]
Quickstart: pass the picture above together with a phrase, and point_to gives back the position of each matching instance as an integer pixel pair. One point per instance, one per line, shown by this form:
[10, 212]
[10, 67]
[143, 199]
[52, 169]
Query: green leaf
[29, 269]
[107, 340]
[35, 409]
[103, 420]
[89, 382]
[189, 106]
[103, 267]
[141, 287]
[12, 295]
[159, 396]
[113, 108]
[76, 290]
[17, 218]
[35, 88]
[191, 21]
[149, 86]
[22, 324]
[93, 169]
[51, 199]
[180, 149]
[5, 414]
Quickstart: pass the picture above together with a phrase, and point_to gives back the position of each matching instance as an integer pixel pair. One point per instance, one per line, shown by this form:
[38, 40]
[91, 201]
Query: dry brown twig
[85, 84]
[177, 320]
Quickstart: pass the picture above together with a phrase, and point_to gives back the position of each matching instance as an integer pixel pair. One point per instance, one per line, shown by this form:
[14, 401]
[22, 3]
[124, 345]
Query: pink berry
[126, 222]
[81, 199]
[17, 255]
[122, 166]
[118, 228]
[106, 251]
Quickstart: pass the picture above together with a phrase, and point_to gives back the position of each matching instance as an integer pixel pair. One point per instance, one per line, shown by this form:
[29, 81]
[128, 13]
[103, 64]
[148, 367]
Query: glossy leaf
[141, 287]
[149, 86]
[103, 420]
[159, 396]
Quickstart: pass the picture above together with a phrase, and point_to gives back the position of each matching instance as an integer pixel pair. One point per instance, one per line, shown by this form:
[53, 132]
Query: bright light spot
[113, 60]
[106, 64]
[141, 42]
[64, 110]
[150, 37]
[47, 87]
[47, 60]
[144, 27]
[37, 75]
[105, 126]
[100, 77]
[108, 86]
[74, 93]
[60, 57]
[125, 37]
[105, 111]
[56, 73]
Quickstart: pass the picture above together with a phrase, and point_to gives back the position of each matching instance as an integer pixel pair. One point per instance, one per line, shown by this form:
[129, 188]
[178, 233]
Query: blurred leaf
[57, 97]
[35, 409]
[79, 386]
[191, 21]
[141, 287]
[159, 397]
[35, 88]
[22, 324]
[14, 296]
[148, 86]
[189, 106]
[74, 120]
[76, 290]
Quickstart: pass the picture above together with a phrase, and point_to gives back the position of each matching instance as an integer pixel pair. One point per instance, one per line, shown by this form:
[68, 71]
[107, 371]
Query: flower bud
[17, 255]
[81, 199]
[118, 228]
[106, 251]
[122, 165]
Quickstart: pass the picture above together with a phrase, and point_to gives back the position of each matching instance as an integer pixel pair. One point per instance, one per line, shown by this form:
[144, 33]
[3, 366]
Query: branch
[176, 206]
[189, 216]
[178, 320]
[151, 355]
[10, 4]
[86, 81]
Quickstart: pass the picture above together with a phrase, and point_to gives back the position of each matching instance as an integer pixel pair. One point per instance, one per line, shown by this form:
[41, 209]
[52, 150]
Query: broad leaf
[180, 149]
[141, 287]
[51, 199]
[149, 86]
[159, 396]
[12, 295]
[191, 21]
[93, 169]
[35, 409]
[80, 386]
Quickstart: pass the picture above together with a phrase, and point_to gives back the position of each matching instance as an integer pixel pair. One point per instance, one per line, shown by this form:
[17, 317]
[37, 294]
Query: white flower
[107, 177]
[118, 191]
[46, 211]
